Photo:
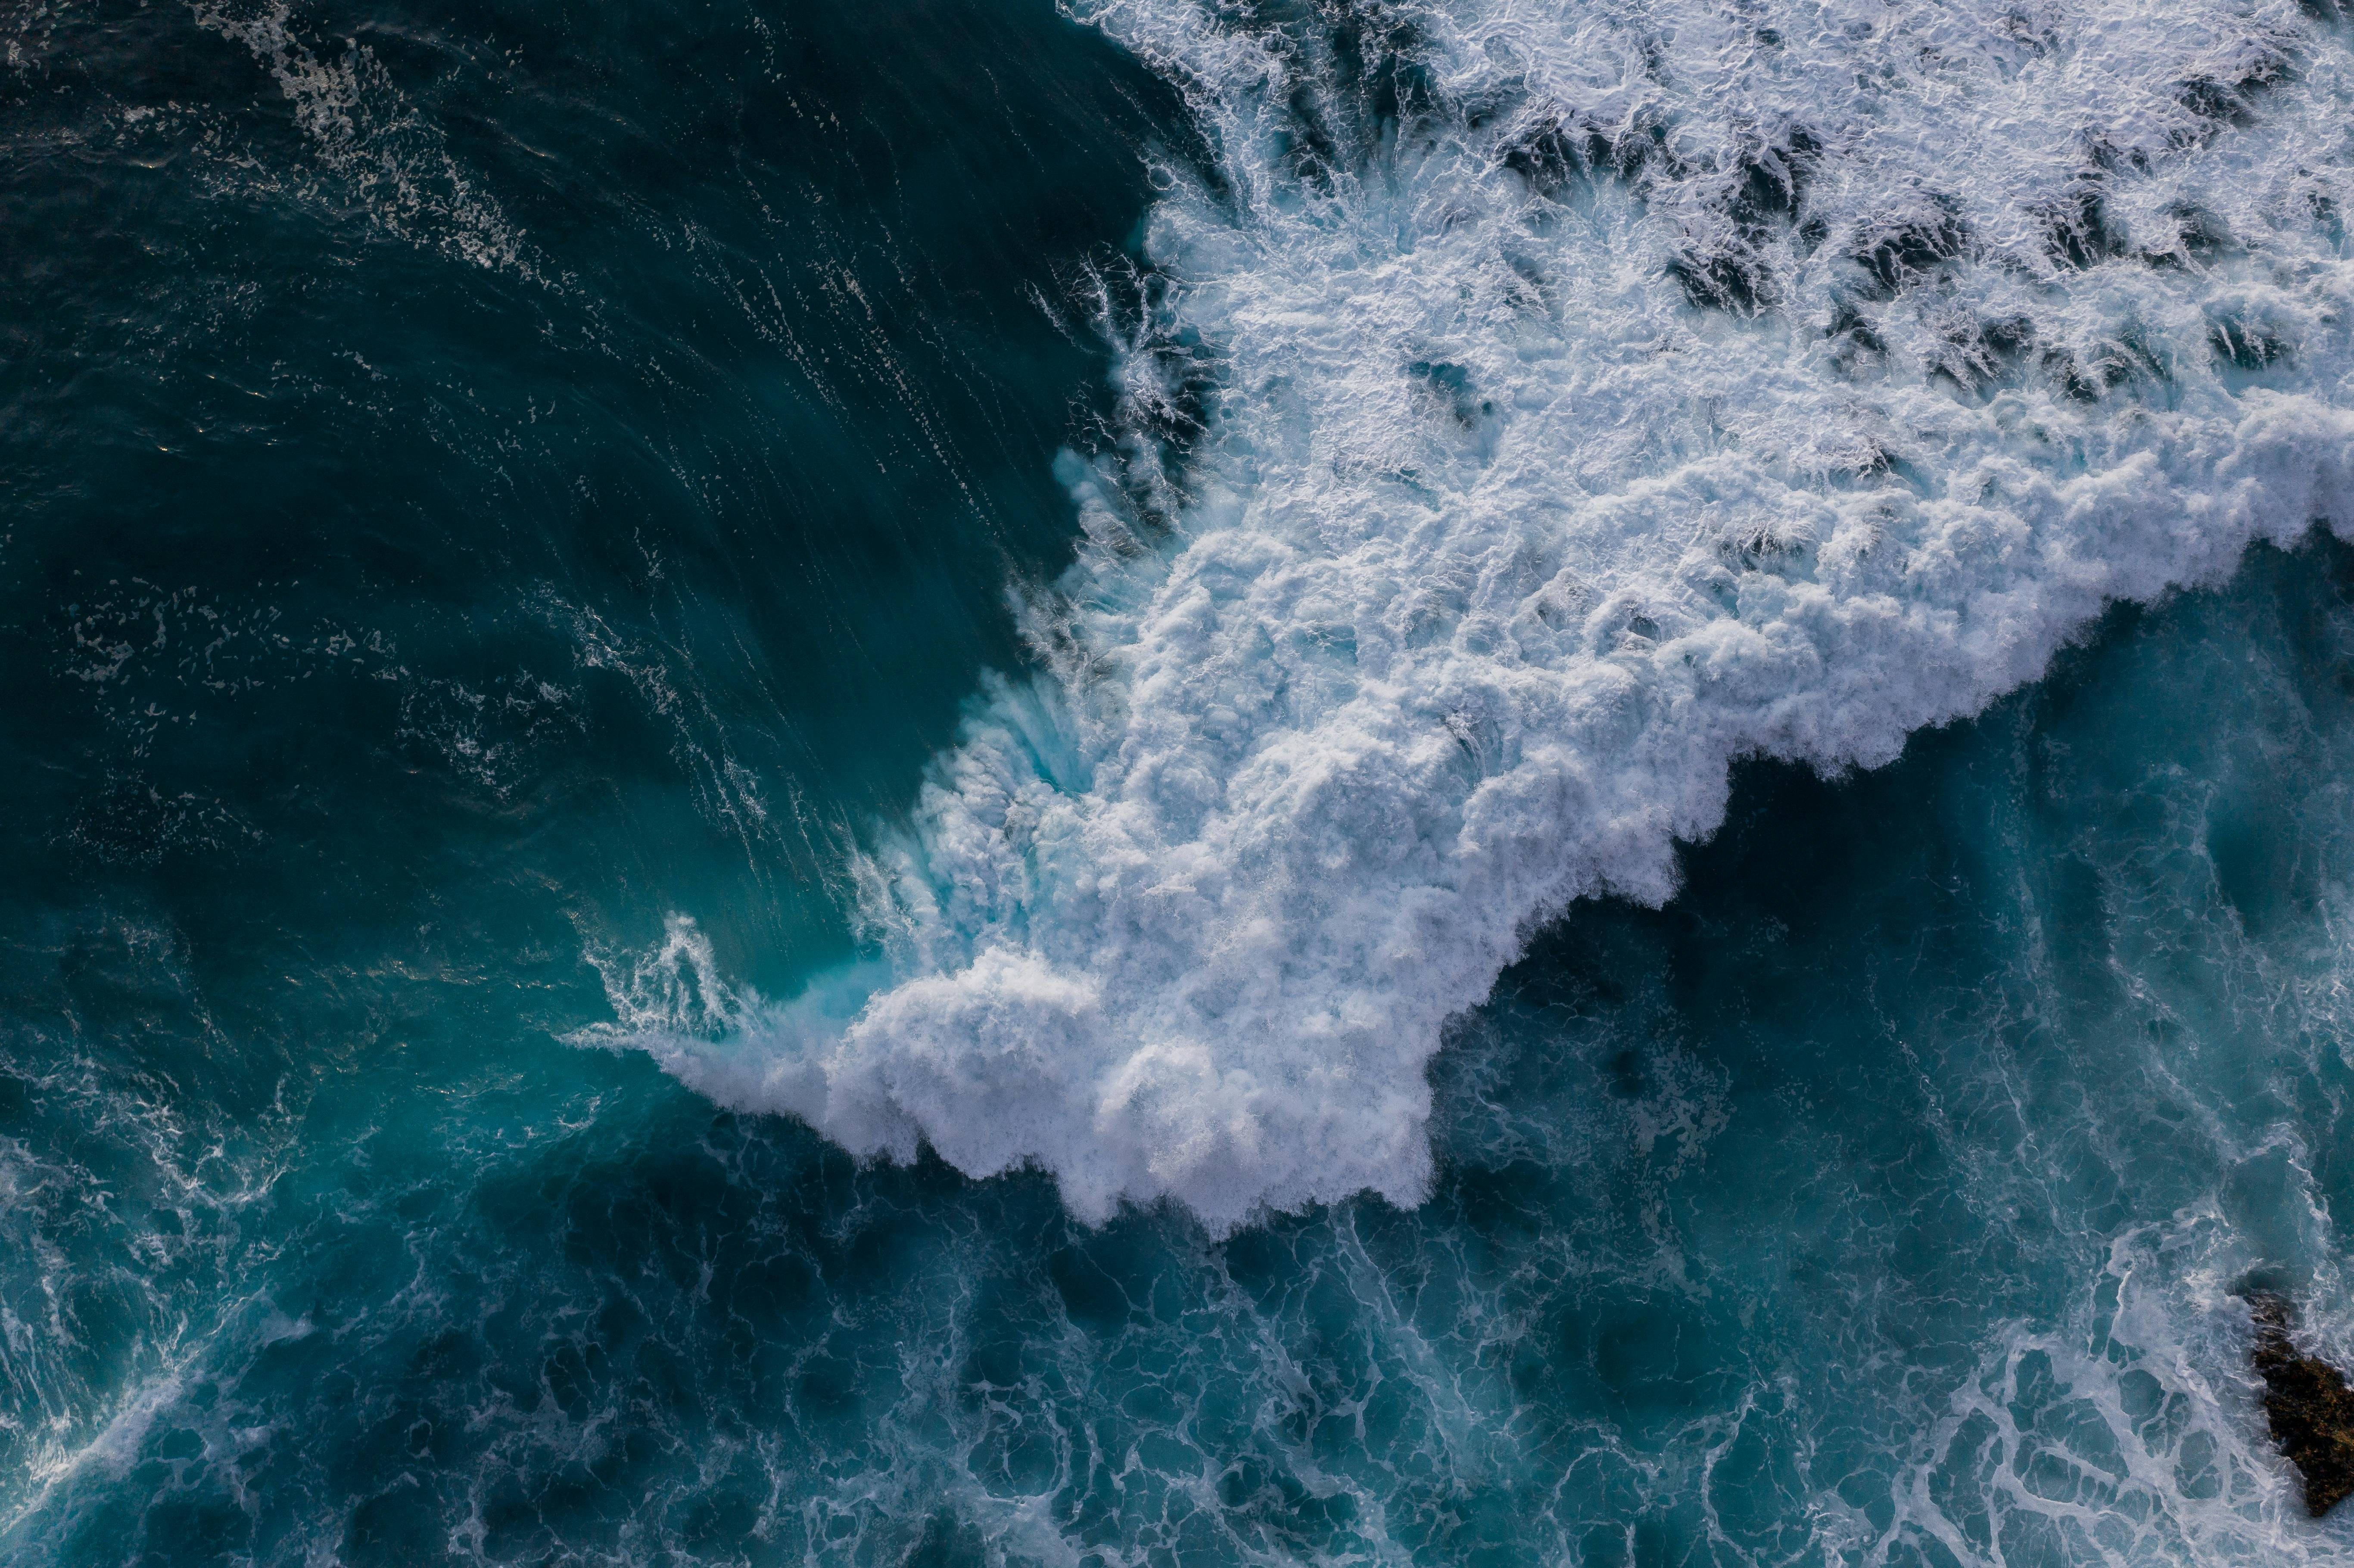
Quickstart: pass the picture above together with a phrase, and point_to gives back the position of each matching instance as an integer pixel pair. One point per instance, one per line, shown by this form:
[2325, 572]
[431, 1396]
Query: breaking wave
[1529, 412]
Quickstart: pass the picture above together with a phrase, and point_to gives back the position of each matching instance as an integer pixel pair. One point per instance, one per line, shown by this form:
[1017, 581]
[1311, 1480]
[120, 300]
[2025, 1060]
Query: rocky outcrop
[2309, 1405]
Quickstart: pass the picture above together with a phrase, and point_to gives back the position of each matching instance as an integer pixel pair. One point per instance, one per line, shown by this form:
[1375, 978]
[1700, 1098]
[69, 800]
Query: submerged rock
[2309, 1402]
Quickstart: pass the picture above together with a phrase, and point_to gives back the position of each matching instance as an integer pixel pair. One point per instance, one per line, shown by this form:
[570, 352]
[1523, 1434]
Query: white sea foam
[1662, 384]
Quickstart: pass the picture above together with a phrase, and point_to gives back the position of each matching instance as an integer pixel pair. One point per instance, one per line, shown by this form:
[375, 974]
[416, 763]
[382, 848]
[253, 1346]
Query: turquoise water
[533, 536]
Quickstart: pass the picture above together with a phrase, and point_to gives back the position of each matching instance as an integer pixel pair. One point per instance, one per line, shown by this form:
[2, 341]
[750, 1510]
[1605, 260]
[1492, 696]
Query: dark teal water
[479, 482]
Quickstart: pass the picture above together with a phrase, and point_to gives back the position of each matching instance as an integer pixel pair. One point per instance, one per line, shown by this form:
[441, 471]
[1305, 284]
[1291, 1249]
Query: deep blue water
[482, 483]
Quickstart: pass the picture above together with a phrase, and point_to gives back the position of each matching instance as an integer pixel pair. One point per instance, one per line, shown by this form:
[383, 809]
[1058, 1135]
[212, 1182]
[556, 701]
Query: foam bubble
[1595, 396]
[367, 133]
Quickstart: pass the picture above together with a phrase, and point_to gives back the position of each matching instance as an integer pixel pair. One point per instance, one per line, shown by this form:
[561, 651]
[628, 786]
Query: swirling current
[1173, 781]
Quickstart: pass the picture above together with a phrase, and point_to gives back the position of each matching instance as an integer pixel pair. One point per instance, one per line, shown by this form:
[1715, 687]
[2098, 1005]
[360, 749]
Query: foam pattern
[1540, 408]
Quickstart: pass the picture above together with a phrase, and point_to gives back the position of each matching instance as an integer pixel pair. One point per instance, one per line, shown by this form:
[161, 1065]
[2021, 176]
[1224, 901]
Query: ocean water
[1172, 783]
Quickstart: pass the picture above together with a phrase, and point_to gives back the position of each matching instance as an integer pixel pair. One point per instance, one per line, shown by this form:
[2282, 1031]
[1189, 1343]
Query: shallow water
[548, 545]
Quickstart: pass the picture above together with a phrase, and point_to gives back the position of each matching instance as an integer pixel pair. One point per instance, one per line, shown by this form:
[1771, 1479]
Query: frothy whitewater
[1535, 409]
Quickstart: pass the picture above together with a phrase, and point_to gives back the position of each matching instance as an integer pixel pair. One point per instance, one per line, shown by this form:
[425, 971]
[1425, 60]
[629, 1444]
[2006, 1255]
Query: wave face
[1534, 410]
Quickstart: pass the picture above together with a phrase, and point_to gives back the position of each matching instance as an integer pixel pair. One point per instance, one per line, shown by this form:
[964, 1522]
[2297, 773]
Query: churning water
[1457, 782]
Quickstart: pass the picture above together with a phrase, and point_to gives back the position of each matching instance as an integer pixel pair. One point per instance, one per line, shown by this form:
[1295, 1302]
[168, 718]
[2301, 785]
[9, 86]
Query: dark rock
[2310, 1407]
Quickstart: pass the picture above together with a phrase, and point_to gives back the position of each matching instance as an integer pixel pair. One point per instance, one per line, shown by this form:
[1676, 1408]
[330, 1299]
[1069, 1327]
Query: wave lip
[1596, 404]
